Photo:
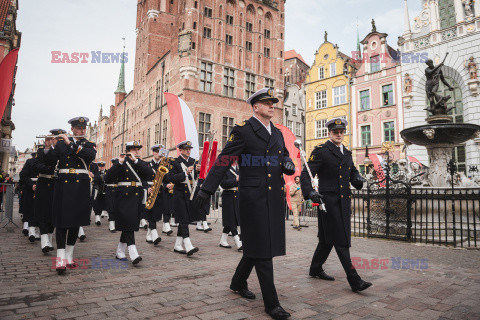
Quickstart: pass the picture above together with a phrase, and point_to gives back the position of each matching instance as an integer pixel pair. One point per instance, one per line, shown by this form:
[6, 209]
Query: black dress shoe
[207, 230]
[137, 260]
[240, 249]
[189, 253]
[180, 251]
[322, 275]
[145, 227]
[228, 247]
[31, 238]
[360, 286]
[45, 249]
[121, 259]
[82, 237]
[277, 313]
[61, 270]
[245, 293]
[51, 248]
[98, 223]
[25, 232]
[113, 231]
[157, 241]
[169, 232]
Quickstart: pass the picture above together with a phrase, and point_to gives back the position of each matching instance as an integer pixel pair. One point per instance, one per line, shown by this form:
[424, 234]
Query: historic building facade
[294, 105]
[211, 53]
[10, 39]
[453, 27]
[377, 114]
[327, 93]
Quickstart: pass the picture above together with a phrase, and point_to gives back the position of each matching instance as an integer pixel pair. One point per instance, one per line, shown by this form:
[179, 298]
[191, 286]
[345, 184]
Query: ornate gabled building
[377, 113]
[211, 53]
[446, 26]
[327, 93]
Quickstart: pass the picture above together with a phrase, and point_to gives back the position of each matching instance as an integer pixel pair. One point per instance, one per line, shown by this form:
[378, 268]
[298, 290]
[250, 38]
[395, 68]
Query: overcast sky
[48, 94]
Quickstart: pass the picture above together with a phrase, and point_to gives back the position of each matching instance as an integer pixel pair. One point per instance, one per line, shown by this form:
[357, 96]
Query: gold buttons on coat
[280, 152]
[127, 194]
[340, 177]
[268, 163]
[136, 194]
[282, 188]
[66, 164]
[269, 175]
[340, 167]
[267, 150]
[66, 181]
[341, 196]
[269, 188]
[78, 181]
[127, 178]
[341, 186]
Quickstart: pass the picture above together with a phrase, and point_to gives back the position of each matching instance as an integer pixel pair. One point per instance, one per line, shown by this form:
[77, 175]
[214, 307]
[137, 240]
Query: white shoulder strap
[136, 175]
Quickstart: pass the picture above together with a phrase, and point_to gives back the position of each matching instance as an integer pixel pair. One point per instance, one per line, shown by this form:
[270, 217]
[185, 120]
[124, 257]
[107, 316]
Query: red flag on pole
[7, 72]
[289, 139]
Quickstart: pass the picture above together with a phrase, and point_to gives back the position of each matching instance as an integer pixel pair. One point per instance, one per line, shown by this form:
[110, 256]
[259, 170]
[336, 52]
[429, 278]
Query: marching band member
[71, 196]
[261, 189]
[168, 208]
[204, 211]
[182, 175]
[99, 194]
[230, 208]
[131, 174]
[44, 192]
[28, 178]
[154, 214]
[110, 201]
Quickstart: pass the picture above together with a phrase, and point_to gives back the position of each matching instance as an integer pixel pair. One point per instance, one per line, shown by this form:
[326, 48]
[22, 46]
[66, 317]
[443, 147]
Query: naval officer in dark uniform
[71, 196]
[28, 180]
[332, 163]
[110, 200]
[263, 159]
[230, 207]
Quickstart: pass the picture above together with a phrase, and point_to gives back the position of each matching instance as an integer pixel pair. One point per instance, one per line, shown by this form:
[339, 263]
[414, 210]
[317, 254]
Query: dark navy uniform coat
[45, 186]
[184, 210]
[99, 186]
[72, 201]
[335, 171]
[26, 205]
[128, 199]
[230, 204]
[261, 186]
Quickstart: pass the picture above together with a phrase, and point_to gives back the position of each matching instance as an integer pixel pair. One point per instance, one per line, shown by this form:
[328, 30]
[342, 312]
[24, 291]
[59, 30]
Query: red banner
[7, 72]
[289, 139]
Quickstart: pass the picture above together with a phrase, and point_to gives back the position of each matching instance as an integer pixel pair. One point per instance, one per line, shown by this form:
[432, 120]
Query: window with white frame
[249, 84]
[228, 82]
[375, 64]
[294, 109]
[333, 69]
[321, 73]
[321, 130]
[387, 94]
[298, 129]
[269, 83]
[339, 95]
[321, 99]
[290, 125]
[204, 125]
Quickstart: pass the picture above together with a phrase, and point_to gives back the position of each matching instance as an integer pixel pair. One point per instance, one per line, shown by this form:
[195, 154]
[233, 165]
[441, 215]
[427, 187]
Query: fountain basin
[442, 133]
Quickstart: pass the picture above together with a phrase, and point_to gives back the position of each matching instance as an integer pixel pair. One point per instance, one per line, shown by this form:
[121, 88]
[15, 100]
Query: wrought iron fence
[7, 195]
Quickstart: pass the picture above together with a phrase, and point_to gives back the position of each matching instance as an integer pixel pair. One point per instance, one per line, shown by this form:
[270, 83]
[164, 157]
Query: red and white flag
[377, 165]
[7, 73]
[183, 123]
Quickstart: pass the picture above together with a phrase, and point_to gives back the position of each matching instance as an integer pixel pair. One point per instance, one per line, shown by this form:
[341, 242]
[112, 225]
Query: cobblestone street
[171, 286]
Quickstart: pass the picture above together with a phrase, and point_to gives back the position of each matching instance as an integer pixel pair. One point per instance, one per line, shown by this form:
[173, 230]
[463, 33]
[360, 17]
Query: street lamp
[452, 169]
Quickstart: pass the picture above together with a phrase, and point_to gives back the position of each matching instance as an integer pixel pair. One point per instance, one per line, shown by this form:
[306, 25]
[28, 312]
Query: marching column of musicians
[57, 195]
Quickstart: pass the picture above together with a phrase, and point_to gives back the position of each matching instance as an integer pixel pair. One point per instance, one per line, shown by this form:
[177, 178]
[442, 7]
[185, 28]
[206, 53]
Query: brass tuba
[157, 183]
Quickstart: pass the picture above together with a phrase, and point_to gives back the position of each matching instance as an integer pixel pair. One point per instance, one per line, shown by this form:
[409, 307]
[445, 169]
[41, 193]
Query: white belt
[129, 184]
[110, 185]
[234, 189]
[73, 171]
[46, 176]
[34, 179]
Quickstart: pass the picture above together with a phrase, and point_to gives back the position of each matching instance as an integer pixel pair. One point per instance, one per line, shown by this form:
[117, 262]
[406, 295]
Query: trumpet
[56, 136]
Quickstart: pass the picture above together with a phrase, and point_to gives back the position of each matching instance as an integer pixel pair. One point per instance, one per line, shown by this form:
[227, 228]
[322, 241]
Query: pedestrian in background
[296, 200]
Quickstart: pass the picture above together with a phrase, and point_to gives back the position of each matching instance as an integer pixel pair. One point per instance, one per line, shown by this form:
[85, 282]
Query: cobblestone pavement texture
[167, 285]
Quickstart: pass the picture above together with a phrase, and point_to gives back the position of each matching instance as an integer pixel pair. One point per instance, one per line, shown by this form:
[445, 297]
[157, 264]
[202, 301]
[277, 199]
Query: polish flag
[377, 165]
[183, 124]
[289, 139]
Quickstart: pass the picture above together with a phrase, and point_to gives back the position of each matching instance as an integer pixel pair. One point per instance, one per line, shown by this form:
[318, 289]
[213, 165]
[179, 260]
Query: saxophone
[157, 183]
